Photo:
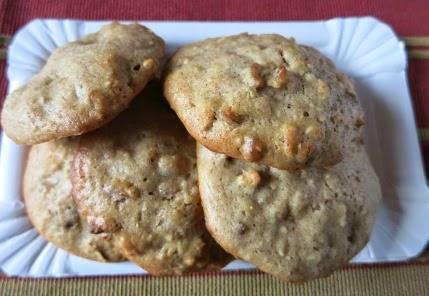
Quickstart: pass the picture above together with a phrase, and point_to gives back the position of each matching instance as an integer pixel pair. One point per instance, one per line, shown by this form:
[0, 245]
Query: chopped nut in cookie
[172, 165]
[314, 132]
[280, 78]
[250, 179]
[252, 148]
[359, 122]
[242, 228]
[291, 139]
[253, 177]
[231, 116]
[208, 119]
[148, 63]
[100, 224]
[168, 189]
[121, 190]
[305, 149]
[296, 146]
[322, 89]
[256, 79]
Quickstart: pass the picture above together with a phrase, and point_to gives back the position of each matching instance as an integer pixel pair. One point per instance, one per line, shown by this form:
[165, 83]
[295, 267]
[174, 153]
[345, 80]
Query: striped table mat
[384, 279]
[410, 19]
[408, 278]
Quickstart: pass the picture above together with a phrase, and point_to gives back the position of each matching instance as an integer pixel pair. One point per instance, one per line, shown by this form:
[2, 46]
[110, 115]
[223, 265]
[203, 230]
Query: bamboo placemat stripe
[419, 42]
[4, 42]
[416, 40]
[424, 134]
[418, 54]
[402, 280]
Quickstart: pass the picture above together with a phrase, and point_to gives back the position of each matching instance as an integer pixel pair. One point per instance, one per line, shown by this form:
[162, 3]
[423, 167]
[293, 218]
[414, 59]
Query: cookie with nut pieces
[49, 204]
[83, 85]
[294, 225]
[136, 179]
[265, 99]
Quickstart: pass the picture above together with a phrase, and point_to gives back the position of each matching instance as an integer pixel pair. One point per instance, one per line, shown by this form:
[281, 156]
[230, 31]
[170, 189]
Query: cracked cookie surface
[263, 98]
[295, 225]
[136, 178]
[83, 85]
[48, 200]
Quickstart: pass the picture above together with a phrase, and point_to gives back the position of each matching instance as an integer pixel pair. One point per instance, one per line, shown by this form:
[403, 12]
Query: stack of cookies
[284, 178]
[273, 170]
[112, 173]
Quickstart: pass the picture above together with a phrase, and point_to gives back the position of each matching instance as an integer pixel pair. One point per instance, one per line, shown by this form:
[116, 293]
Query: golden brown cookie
[263, 98]
[83, 85]
[136, 179]
[295, 225]
[49, 204]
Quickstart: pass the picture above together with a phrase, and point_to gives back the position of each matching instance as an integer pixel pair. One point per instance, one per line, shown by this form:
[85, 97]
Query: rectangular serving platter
[364, 48]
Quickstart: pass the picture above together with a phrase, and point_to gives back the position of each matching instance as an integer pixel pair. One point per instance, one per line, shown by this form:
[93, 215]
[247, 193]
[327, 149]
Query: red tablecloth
[408, 18]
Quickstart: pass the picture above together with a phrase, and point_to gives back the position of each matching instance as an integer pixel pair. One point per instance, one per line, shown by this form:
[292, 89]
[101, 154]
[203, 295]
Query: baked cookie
[83, 85]
[263, 98]
[136, 179]
[295, 225]
[49, 204]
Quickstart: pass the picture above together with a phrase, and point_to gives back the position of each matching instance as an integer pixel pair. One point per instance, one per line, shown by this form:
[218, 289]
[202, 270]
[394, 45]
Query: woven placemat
[388, 279]
[409, 278]
[406, 17]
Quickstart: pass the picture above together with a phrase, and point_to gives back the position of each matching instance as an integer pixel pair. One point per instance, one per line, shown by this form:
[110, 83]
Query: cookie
[83, 85]
[49, 204]
[263, 98]
[136, 179]
[295, 225]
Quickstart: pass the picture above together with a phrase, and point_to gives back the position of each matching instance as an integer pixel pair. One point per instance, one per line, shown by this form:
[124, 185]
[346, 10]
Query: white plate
[364, 48]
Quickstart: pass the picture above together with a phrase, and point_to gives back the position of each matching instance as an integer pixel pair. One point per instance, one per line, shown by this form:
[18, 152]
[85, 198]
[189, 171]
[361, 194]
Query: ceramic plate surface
[364, 48]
